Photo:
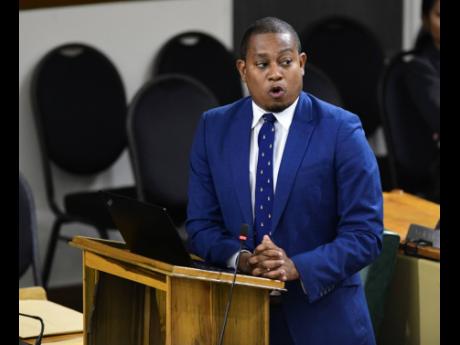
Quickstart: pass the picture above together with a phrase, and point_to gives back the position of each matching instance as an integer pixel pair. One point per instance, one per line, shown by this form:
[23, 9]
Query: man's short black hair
[264, 26]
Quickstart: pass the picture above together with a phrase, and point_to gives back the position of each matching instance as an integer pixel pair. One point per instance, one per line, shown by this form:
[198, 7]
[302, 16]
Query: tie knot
[269, 117]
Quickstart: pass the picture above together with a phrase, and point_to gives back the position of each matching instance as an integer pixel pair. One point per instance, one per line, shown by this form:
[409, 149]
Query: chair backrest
[28, 235]
[408, 144]
[162, 119]
[351, 55]
[79, 105]
[204, 58]
[377, 278]
[316, 82]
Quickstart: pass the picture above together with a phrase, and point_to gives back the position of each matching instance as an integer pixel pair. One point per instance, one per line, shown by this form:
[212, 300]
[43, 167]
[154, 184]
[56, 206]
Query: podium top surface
[401, 209]
[116, 250]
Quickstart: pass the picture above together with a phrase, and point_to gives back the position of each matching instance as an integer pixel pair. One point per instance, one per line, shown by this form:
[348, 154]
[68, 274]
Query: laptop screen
[147, 229]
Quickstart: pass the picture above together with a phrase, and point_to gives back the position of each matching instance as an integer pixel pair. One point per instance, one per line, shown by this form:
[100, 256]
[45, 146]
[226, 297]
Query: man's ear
[303, 61]
[241, 66]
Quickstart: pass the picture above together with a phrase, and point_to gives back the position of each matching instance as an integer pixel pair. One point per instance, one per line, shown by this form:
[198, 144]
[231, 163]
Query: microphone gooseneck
[243, 237]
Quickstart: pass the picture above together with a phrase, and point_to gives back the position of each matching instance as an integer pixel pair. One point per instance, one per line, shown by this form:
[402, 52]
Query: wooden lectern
[122, 292]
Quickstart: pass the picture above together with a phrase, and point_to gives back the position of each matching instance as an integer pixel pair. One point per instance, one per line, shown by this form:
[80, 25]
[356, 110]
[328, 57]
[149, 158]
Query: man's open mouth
[276, 91]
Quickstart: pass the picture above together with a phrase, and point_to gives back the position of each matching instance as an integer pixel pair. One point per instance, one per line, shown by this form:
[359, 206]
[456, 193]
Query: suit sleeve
[359, 217]
[205, 227]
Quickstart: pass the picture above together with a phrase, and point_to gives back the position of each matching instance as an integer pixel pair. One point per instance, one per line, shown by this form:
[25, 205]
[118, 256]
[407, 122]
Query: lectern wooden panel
[123, 291]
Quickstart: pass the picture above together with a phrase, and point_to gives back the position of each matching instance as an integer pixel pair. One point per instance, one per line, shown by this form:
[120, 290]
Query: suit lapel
[239, 141]
[297, 141]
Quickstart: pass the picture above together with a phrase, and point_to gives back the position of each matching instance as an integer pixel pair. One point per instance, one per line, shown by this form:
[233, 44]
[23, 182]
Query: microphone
[243, 237]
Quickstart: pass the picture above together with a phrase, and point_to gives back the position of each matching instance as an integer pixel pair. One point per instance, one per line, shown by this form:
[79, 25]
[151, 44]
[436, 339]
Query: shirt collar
[284, 117]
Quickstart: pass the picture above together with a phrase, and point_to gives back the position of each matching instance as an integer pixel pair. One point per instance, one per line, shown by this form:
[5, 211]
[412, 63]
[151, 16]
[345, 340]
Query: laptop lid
[147, 229]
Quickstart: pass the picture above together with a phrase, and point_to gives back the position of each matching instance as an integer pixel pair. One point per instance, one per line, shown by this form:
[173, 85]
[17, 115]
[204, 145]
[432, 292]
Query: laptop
[148, 230]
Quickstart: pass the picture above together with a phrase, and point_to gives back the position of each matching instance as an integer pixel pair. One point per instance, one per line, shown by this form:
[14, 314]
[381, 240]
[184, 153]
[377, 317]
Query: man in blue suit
[300, 172]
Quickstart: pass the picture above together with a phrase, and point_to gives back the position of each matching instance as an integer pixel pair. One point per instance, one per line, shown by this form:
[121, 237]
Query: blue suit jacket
[327, 212]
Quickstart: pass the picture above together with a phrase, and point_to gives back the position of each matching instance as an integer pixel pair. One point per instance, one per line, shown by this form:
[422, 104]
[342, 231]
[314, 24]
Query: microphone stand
[243, 237]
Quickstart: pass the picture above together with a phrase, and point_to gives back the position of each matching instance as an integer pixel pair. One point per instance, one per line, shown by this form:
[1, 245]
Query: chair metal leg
[51, 250]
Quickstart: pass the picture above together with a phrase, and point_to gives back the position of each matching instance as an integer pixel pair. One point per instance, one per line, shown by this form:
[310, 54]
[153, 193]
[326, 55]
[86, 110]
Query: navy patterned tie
[263, 208]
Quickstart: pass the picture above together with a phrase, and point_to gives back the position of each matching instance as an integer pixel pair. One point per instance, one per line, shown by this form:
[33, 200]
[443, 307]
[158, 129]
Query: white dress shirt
[282, 125]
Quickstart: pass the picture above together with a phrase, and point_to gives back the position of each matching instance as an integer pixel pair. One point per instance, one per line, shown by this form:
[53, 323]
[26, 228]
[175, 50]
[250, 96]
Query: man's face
[273, 70]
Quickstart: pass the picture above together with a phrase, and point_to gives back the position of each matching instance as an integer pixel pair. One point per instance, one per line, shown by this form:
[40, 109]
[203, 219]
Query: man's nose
[274, 72]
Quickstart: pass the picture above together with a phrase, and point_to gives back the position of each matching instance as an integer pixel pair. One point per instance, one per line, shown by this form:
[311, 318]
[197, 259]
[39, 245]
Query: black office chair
[351, 55]
[162, 119]
[79, 106]
[316, 82]
[204, 58]
[28, 233]
[410, 147]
